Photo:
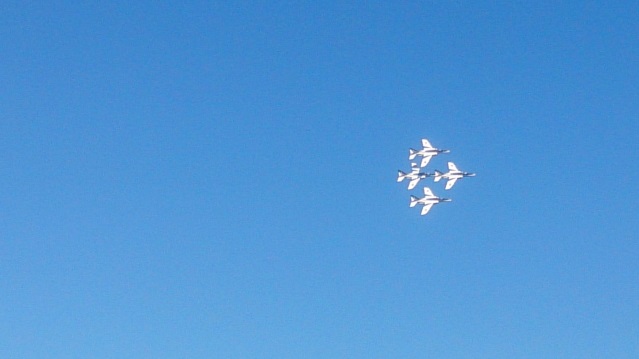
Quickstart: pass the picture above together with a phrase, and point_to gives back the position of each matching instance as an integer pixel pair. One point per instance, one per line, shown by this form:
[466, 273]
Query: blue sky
[217, 180]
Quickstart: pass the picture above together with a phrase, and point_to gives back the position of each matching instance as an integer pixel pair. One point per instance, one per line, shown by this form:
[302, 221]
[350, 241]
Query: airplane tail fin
[438, 176]
[400, 176]
[413, 201]
[411, 153]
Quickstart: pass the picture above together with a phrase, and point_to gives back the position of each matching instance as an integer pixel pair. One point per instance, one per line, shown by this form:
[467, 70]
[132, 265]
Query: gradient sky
[217, 179]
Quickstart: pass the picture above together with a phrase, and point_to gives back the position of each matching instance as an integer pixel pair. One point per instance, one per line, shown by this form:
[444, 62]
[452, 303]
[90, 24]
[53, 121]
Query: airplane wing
[428, 192]
[451, 183]
[452, 167]
[426, 208]
[426, 144]
[413, 183]
[425, 161]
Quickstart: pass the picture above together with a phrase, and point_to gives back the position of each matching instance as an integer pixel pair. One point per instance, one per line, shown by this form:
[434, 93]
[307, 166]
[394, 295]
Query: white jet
[414, 176]
[452, 175]
[427, 152]
[427, 201]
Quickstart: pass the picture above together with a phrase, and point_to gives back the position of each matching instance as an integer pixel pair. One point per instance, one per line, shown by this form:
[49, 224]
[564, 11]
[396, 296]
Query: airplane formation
[415, 175]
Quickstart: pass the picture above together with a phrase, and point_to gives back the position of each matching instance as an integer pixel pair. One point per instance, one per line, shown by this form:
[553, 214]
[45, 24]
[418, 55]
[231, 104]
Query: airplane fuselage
[420, 175]
[429, 200]
[455, 175]
[452, 175]
[429, 152]
[426, 153]
[413, 177]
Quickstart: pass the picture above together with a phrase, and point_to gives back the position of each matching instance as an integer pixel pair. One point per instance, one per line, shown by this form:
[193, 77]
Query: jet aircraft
[414, 176]
[452, 175]
[427, 152]
[427, 201]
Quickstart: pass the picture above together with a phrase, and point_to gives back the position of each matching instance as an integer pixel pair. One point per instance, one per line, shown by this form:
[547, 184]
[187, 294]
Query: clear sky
[217, 179]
